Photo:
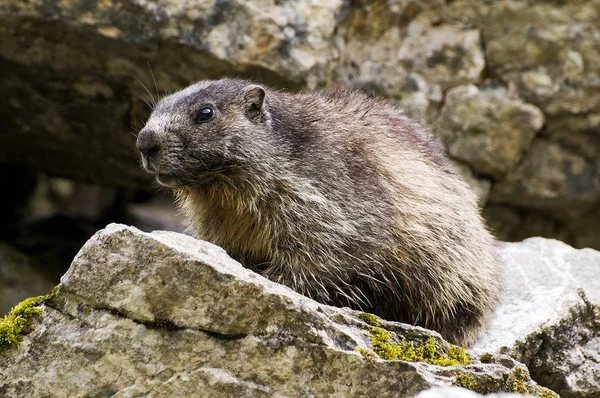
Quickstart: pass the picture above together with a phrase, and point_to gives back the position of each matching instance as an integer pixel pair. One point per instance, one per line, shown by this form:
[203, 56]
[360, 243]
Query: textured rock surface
[551, 178]
[458, 392]
[486, 129]
[430, 57]
[163, 314]
[478, 73]
[549, 315]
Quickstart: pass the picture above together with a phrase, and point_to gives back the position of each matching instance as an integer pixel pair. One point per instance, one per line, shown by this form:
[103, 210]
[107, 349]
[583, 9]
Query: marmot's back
[335, 194]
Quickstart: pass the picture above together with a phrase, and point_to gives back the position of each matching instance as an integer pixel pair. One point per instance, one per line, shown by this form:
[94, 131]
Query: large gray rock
[549, 315]
[163, 314]
[487, 129]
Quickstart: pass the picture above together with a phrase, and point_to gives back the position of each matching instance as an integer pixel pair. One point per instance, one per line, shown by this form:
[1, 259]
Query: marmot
[335, 194]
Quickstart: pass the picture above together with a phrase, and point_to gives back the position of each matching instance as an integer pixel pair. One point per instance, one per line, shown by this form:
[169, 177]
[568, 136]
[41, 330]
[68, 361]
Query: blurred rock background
[511, 89]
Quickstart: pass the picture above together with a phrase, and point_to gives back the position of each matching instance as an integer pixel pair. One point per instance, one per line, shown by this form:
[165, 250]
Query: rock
[59, 196]
[545, 49]
[551, 178]
[20, 277]
[580, 133]
[163, 314]
[50, 220]
[13, 203]
[458, 392]
[586, 229]
[430, 57]
[486, 129]
[549, 315]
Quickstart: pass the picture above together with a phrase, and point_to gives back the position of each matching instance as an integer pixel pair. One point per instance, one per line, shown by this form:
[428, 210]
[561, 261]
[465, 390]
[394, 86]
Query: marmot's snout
[148, 145]
[154, 149]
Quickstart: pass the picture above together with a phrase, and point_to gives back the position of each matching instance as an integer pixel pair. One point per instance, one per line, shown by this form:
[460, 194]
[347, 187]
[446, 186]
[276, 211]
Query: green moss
[370, 355]
[428, 352]
[20, 316]
[380, 341]
[458, 354]
[486, 358]
[51, 293]
[544, 393]
[464, 380]
[517, 381]
[369, 318]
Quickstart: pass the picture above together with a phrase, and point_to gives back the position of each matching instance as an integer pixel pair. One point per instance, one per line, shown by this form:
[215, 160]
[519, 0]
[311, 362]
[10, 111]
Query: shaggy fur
[335, 194]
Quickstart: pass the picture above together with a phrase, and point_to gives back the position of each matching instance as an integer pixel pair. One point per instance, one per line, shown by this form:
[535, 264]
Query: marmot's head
[208, 129]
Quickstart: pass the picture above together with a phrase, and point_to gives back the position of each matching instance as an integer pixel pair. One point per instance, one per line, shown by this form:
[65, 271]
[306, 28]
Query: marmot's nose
[147, 142]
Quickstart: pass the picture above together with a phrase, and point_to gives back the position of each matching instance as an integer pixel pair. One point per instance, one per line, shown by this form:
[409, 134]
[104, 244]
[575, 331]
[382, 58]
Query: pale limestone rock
[549, 315]
[163, 315]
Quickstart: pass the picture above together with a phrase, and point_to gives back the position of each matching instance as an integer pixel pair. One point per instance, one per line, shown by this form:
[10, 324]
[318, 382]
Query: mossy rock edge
[13, 326]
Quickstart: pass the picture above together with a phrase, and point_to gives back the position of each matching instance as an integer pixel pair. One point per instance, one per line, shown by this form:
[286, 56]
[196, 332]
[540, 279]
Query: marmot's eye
[204, 115]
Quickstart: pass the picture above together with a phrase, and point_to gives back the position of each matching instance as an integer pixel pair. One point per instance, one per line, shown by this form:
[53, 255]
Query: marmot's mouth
[168, 180]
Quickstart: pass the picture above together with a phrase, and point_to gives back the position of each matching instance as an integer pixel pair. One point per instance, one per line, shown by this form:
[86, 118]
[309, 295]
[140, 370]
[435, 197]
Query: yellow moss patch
[486, 358]
[370, 355]
[465, 381]
[517, 381]
[428, 352]
[458, 354]
[544, 393]
[19, 317]
[369, 318]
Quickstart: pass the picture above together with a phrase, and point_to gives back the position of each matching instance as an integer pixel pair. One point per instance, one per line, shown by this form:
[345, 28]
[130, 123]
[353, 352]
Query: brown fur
[335, 194]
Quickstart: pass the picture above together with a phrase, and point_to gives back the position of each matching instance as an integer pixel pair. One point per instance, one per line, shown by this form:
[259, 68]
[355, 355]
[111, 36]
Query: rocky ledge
[162, 314]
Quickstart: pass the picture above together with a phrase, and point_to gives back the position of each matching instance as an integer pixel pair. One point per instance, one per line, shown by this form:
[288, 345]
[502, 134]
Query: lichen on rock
[406, 351]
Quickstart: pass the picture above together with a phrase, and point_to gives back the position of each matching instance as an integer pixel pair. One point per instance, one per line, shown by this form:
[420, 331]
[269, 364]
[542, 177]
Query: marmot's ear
[254, 102]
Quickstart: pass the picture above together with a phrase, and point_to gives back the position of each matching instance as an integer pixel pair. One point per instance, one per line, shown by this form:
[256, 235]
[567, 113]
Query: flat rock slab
[162, 314]
[549, 316]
